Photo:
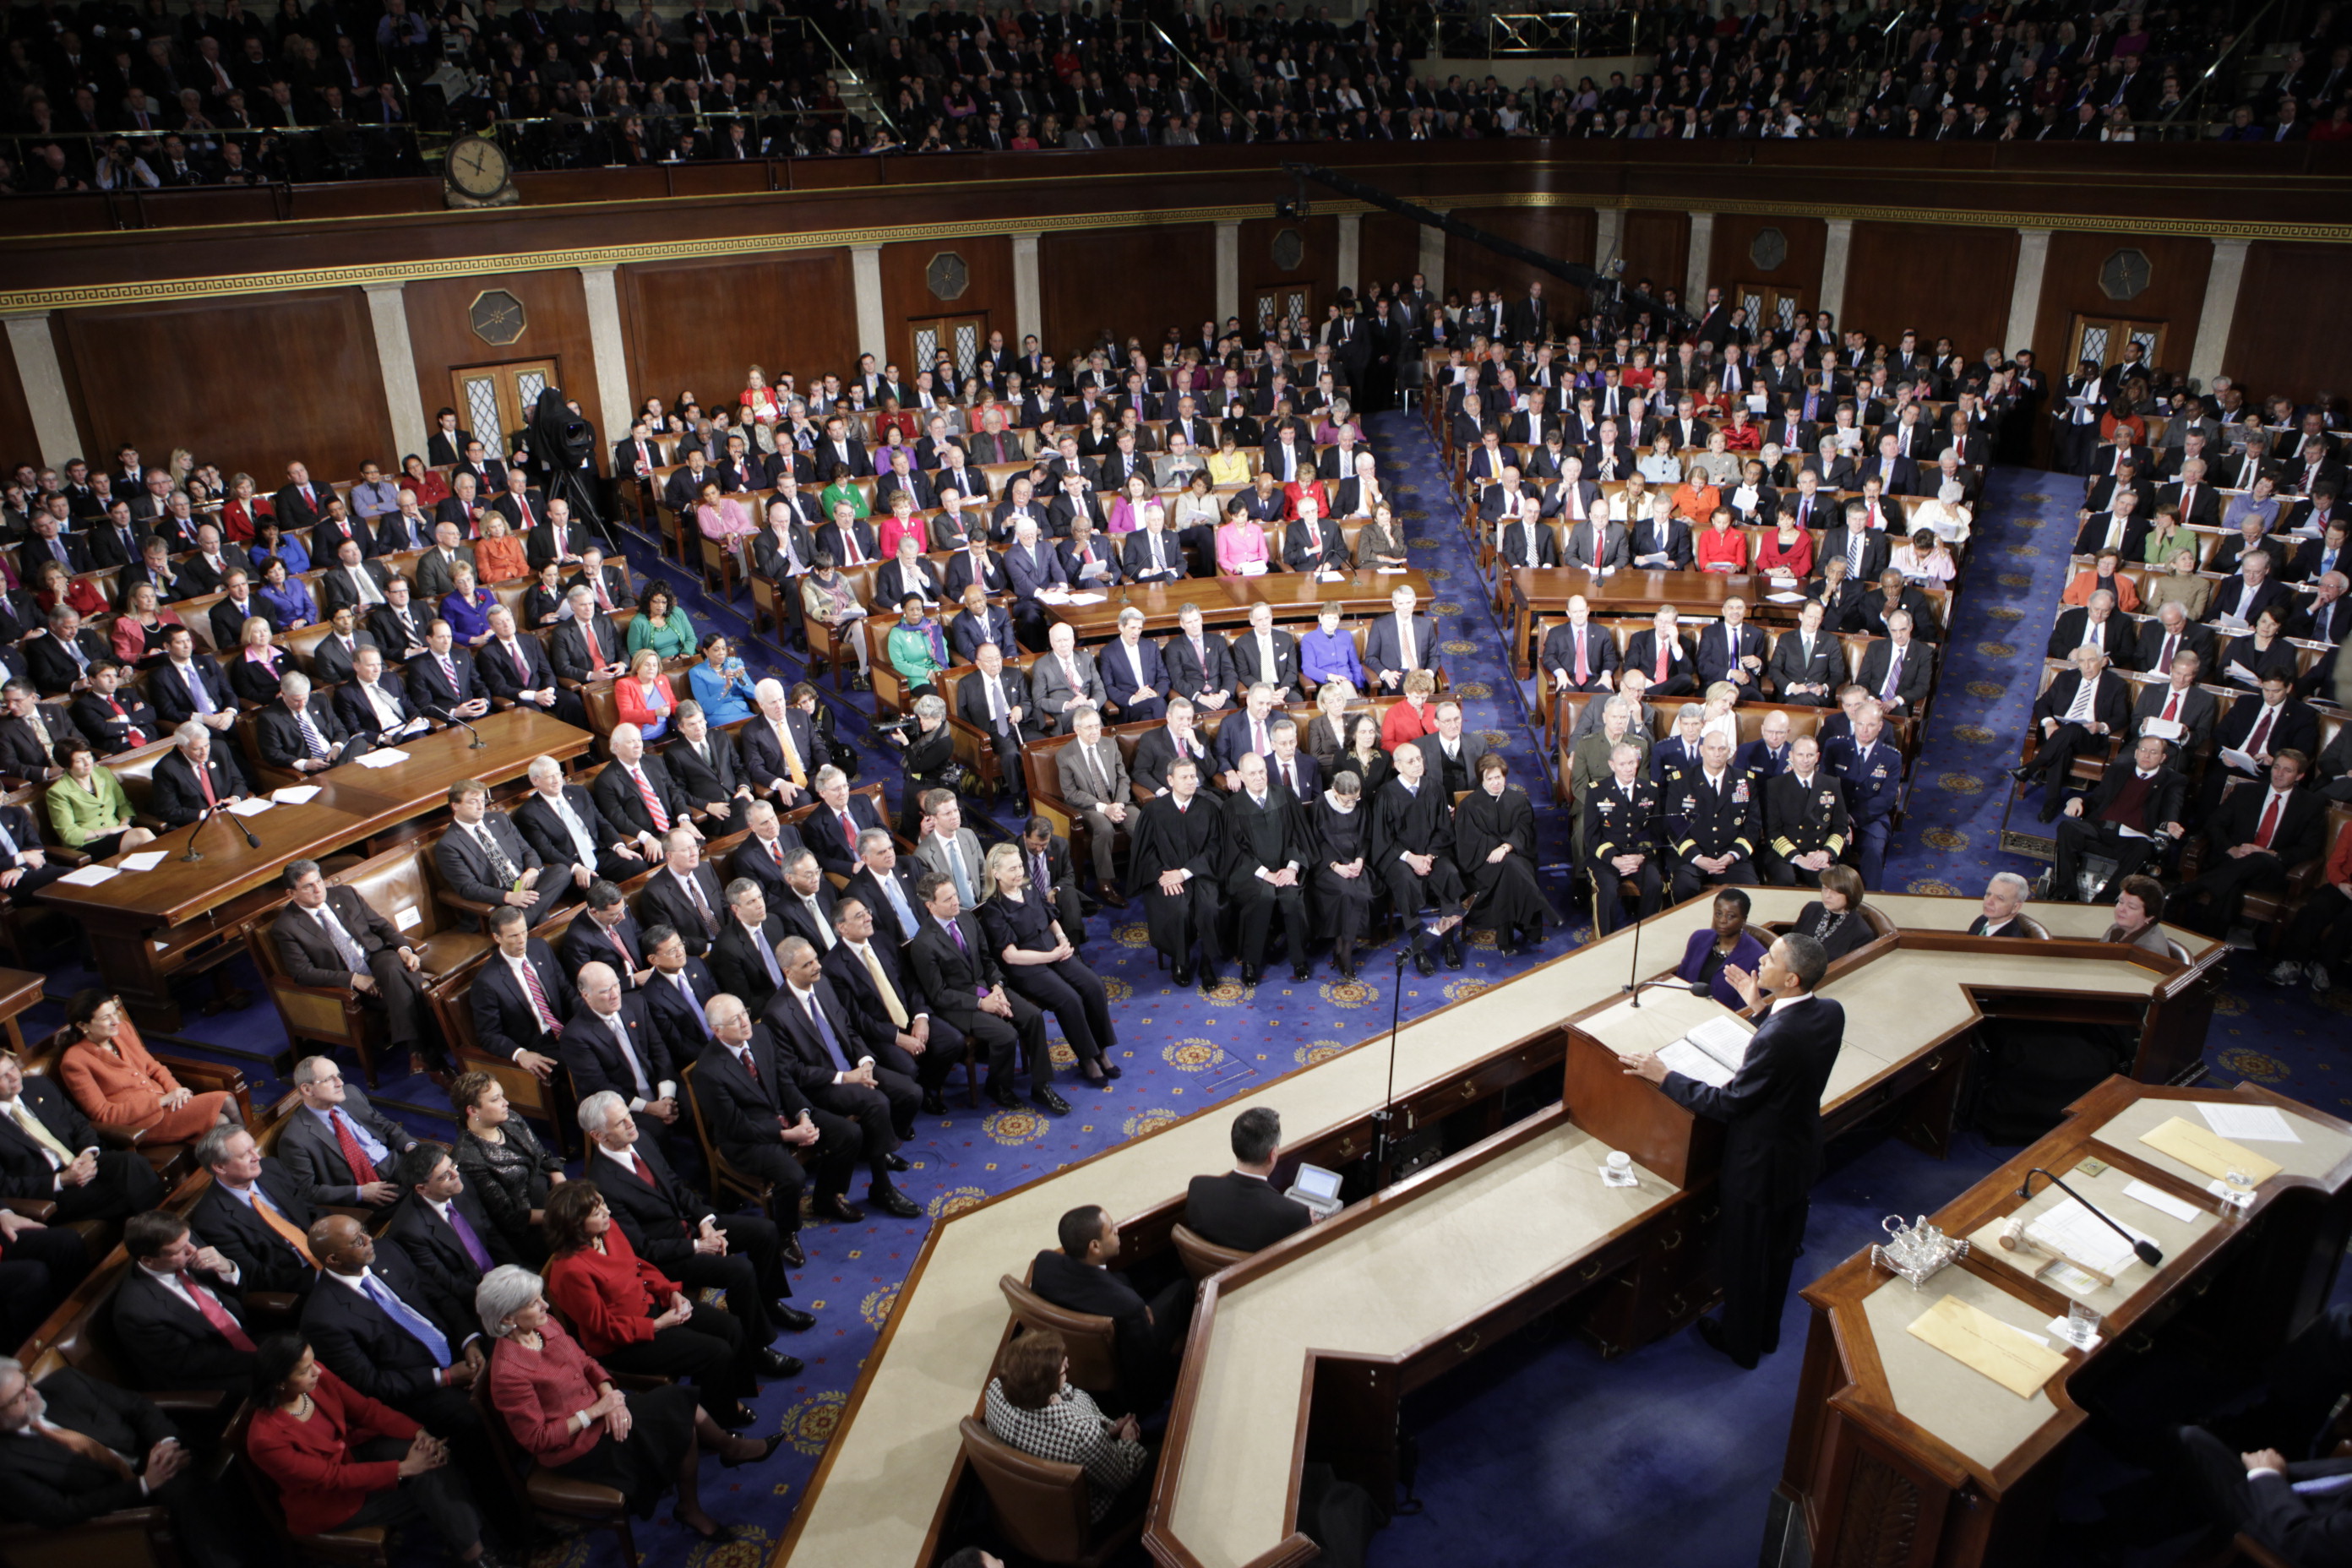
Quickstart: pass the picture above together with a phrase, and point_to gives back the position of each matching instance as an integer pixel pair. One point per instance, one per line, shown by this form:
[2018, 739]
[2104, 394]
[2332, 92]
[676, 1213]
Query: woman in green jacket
[88, 809]
[661, 624]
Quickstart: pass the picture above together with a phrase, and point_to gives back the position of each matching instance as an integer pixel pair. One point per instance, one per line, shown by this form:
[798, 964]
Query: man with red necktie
[179, 1313]
[2260, 836]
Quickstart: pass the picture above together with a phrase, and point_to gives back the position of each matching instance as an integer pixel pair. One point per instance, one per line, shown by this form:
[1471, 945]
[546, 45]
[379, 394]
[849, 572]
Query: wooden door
[1275, 306]
[495, 401]
[2101, 339]
[1770, 308]
[963, 339]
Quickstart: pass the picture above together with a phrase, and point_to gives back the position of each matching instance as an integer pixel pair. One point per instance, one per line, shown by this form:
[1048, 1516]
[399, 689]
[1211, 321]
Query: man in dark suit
[2004, 901]
[350, 577]
[676, 993]
[329, 938]
[832, 830]
[441, 1224]
[561, 822]
[373, 705]
[519, 996]
[299, 731]
[337, 1147]
[886, 1007]
[684, 894]
[179, 1311]
[994, 700]
[742, 956]
[378, 1321]
[707, 766]
[2256, 731]
[301, 503]
[1175, 858]
[2262, 1493]
[515, 671]
[1898, 669]
[442, 680]
[964, 990]
[2098, 624]
[1266, 856]
[1242, 1209]
[60, 661]
[2077, 713]
[1660, 652]
[1852, 539]
[1198, 666]
[129, 1457]
[485, 861]
[2254, 589]
[49, 1151]
[255, 1213]
[761, 1123]
[2257, 837]
[821, 1043]
[588, 646]
[609, 1042]
[2178, 710]
[1399, 642]
[398, 625]
[677, 1232]
[30, 732]
[605, 932]
[1771, 1142]
[193, 776]
[2131, 814]
[1134, 675]
[1807, 663]
[1149, 1334]
[635, 792]
[887, 886]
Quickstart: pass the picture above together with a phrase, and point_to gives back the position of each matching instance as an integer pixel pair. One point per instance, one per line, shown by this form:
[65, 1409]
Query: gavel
[2014, 1239]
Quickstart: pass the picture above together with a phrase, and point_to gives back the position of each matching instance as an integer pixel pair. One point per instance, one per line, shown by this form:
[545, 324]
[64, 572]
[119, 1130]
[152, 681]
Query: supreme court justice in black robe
[1179, 832]
[1771, 1113]
[1339, 830]
[1411, 817]
[1503, 890]
[1267, 854]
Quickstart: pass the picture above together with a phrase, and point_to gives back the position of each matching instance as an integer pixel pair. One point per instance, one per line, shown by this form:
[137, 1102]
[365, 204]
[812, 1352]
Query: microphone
[1696, 987]
[2146, 1251]
[445, 713]
[202, 817]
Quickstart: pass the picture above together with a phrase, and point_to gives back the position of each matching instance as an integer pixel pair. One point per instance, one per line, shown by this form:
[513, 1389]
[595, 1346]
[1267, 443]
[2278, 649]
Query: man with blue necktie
[376, 1321]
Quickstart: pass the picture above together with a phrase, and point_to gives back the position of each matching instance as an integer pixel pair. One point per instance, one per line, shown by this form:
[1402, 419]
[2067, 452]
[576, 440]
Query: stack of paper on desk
[2201, 1149]
[1712, 1052]
[2019, 1361]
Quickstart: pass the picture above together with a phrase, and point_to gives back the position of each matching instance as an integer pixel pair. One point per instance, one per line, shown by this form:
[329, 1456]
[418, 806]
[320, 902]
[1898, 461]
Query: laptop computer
[1319, 1189]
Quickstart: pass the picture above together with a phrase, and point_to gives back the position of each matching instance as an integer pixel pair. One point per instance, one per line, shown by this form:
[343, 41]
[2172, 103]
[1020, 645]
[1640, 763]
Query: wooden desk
[880, 1493]
[1227, 601]
[19, 989]
[184, 915]
[1899, 1454]
[1545, 590]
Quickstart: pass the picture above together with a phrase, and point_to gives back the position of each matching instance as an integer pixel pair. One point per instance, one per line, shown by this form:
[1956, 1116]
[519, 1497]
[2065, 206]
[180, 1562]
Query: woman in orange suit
[109, 1075]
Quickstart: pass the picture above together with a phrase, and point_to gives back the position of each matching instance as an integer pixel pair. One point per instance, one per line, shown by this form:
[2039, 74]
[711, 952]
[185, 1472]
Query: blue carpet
[1535, 1450]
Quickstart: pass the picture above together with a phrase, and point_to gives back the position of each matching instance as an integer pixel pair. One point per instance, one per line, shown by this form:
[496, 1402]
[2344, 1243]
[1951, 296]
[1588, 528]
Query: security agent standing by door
[1771, 1109]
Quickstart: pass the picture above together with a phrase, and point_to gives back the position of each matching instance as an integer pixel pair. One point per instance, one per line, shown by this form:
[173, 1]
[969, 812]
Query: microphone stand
[1632, 986]
[479, 743]
[1380, 1140]
[2146, 1251]
[202, 817]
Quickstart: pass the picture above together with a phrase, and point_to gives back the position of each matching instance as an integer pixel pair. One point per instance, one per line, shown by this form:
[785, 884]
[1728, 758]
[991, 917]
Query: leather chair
[1043, 1508]
[171, 1160]
[1092, 1341]
[725, 1178]
[1202, 1256]
[1876, 919]
[2033, 928]
[128, 1538]
[364, 1545]
[543, 1490]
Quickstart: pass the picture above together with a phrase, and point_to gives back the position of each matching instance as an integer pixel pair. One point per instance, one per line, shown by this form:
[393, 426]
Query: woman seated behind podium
[563, 1411]
[2139, 916]
[116, 1083]
[341, 1461]
[1836, 919]
[1729, 943]
[1032, 1406]
[87, 810]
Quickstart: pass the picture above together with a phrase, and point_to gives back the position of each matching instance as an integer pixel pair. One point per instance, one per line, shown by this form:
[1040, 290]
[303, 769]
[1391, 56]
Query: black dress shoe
[934, 1102]
[1184, 977]
[895, 1163]
[1301, 972]
[1052, 1102]
[1453, 955]
[1710, 1330]
[839, 1209]
[1210, 978]
[791, 1319]
[762, 1457]
[892, 1201]
[2022, 774]
[776, 1363]
[1111, 897]
[1252, 975]
[1112, 1069]
[1005, 1098]
[793, 1258]
[735, 1420]
[1425, 964]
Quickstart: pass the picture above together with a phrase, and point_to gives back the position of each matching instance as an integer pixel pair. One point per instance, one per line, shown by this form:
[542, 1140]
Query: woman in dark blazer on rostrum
[1836, 919]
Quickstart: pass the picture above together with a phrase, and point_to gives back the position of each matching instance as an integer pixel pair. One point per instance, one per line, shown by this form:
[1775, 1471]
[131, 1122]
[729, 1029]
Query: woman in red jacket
[565, 1413]
[341, 1461]
[626, 1314]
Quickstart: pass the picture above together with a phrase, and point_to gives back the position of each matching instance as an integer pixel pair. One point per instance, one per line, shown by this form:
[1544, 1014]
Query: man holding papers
[1771, 1109]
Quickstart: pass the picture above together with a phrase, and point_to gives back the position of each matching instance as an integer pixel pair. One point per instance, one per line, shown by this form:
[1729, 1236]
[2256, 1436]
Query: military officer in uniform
[1806, 825]
[1711, 820]
[1871, 771]
[1620, 827]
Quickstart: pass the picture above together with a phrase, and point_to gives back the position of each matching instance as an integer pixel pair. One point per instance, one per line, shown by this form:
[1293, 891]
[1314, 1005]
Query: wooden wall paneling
[1654, 246]
[19, 443]
[555, 327]
[1390, 248]
[250, 384]
[1318, 263]
[2175, 294]
[1731, 259]
[1947, 282]
[697, 326]
[907, 295]
[1093, 281]
[2277, 344]
[1563, 232]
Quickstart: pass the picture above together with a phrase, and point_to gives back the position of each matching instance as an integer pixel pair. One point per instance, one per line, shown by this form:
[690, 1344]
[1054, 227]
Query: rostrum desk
[146, 927]
[1900, 1455]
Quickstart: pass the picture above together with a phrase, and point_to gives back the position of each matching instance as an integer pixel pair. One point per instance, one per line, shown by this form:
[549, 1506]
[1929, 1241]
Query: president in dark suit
[1242, 1209]
[1771, 1113]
